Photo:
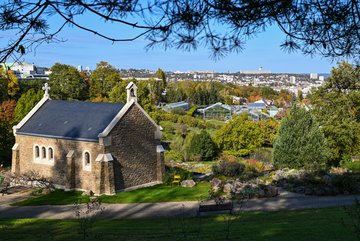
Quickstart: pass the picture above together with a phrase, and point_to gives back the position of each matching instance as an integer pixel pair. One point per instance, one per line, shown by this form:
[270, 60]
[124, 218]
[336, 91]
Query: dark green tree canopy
[202, 147]
[300, 142]
[66, 83]
[103, 80]
[26, 102]
[326, 27]
[336, 106]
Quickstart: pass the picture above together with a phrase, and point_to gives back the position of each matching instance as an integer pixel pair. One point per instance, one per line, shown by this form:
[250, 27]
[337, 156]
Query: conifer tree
[300, 142]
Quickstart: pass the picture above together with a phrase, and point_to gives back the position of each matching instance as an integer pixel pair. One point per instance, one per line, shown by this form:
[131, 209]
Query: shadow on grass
[57, 197]
[304, 225]
[158, 193]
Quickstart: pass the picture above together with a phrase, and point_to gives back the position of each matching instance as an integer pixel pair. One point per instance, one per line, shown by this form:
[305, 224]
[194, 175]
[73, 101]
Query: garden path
[285, 201]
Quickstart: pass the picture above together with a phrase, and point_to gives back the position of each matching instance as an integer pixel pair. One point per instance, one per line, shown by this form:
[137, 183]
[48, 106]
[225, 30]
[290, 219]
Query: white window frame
[36, 158]
[42, 157]
[86, 167]
[49, 158]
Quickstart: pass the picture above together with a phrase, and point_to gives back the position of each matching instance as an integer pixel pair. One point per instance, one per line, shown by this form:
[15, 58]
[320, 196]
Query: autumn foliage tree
[7, 110]
[9, 84]
[6, 137]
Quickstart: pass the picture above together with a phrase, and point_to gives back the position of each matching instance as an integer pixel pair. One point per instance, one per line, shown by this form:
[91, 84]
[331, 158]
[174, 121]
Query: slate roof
[71, 119]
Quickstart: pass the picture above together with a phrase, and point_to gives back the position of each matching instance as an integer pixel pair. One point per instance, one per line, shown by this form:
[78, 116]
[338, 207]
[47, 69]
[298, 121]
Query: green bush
[172, 155]
[178, 111]
[202, 146]
[345, 183]
[239, 153]
[350, 165]
[188, 120]
[229, 169]
[192, 111]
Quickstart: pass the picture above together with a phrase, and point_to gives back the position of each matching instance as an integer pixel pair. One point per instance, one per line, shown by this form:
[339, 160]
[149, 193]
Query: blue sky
[82, 48]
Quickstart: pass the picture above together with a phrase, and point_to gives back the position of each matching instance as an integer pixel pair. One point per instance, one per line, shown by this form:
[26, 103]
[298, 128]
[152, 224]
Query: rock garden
[233, 178]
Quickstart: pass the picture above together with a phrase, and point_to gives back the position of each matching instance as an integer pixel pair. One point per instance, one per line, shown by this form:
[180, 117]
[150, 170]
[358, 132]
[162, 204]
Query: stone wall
[63, 170]
[133, 147]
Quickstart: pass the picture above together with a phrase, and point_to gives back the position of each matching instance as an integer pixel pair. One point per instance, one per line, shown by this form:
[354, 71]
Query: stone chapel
[102, 147]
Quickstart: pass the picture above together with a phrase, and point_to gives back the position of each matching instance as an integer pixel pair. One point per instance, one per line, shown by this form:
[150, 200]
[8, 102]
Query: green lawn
[304, 225]
[158, 193]
[57, 197]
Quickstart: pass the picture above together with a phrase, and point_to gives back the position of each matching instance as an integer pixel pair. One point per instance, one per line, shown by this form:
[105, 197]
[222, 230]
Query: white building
[313, 76]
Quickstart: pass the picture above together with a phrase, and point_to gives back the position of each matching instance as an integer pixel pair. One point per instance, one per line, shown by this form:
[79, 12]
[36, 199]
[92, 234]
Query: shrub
[239, 153]
[228, 157]
[345, 183]
[172, 155]
[229, 169]
[255, 165]
[178, 111]
[192, 111]
[202, 146]
[350, 165]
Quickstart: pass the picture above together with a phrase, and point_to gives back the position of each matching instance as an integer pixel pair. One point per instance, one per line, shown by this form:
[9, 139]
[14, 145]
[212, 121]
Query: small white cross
[46, 87]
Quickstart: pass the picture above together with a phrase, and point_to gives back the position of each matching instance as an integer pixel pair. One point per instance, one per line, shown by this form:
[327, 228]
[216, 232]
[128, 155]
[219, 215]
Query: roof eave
[57, 137]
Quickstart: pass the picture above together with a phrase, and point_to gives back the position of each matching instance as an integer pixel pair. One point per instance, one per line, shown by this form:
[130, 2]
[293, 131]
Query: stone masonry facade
[133, 148]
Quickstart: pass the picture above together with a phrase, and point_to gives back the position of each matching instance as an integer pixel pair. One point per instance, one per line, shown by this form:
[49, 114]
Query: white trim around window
[36, 152]
[41, 155]
[50, 153]
[86, 156]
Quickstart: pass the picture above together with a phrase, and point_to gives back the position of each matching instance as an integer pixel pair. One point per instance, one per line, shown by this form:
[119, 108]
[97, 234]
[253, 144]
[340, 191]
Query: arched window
[37, 152]
[51, 153]
[43, 150]
[87, 158]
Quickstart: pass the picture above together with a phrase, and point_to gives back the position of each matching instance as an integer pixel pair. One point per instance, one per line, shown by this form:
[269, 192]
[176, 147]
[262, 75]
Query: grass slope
[158, 193]
[304, 225]
[57, 197]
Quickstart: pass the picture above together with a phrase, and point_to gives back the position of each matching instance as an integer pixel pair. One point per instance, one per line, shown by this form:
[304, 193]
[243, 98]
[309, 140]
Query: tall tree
[103, 80]
[66, 83]
[7, 110]
[7, 140]
[9, 84]
[202, 147]
[26, 102]
[300, 142]
[328, 28]
[160, 74]
[337, 107]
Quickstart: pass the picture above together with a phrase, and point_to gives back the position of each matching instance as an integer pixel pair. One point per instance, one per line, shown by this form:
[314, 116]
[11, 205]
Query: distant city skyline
[82, 48]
